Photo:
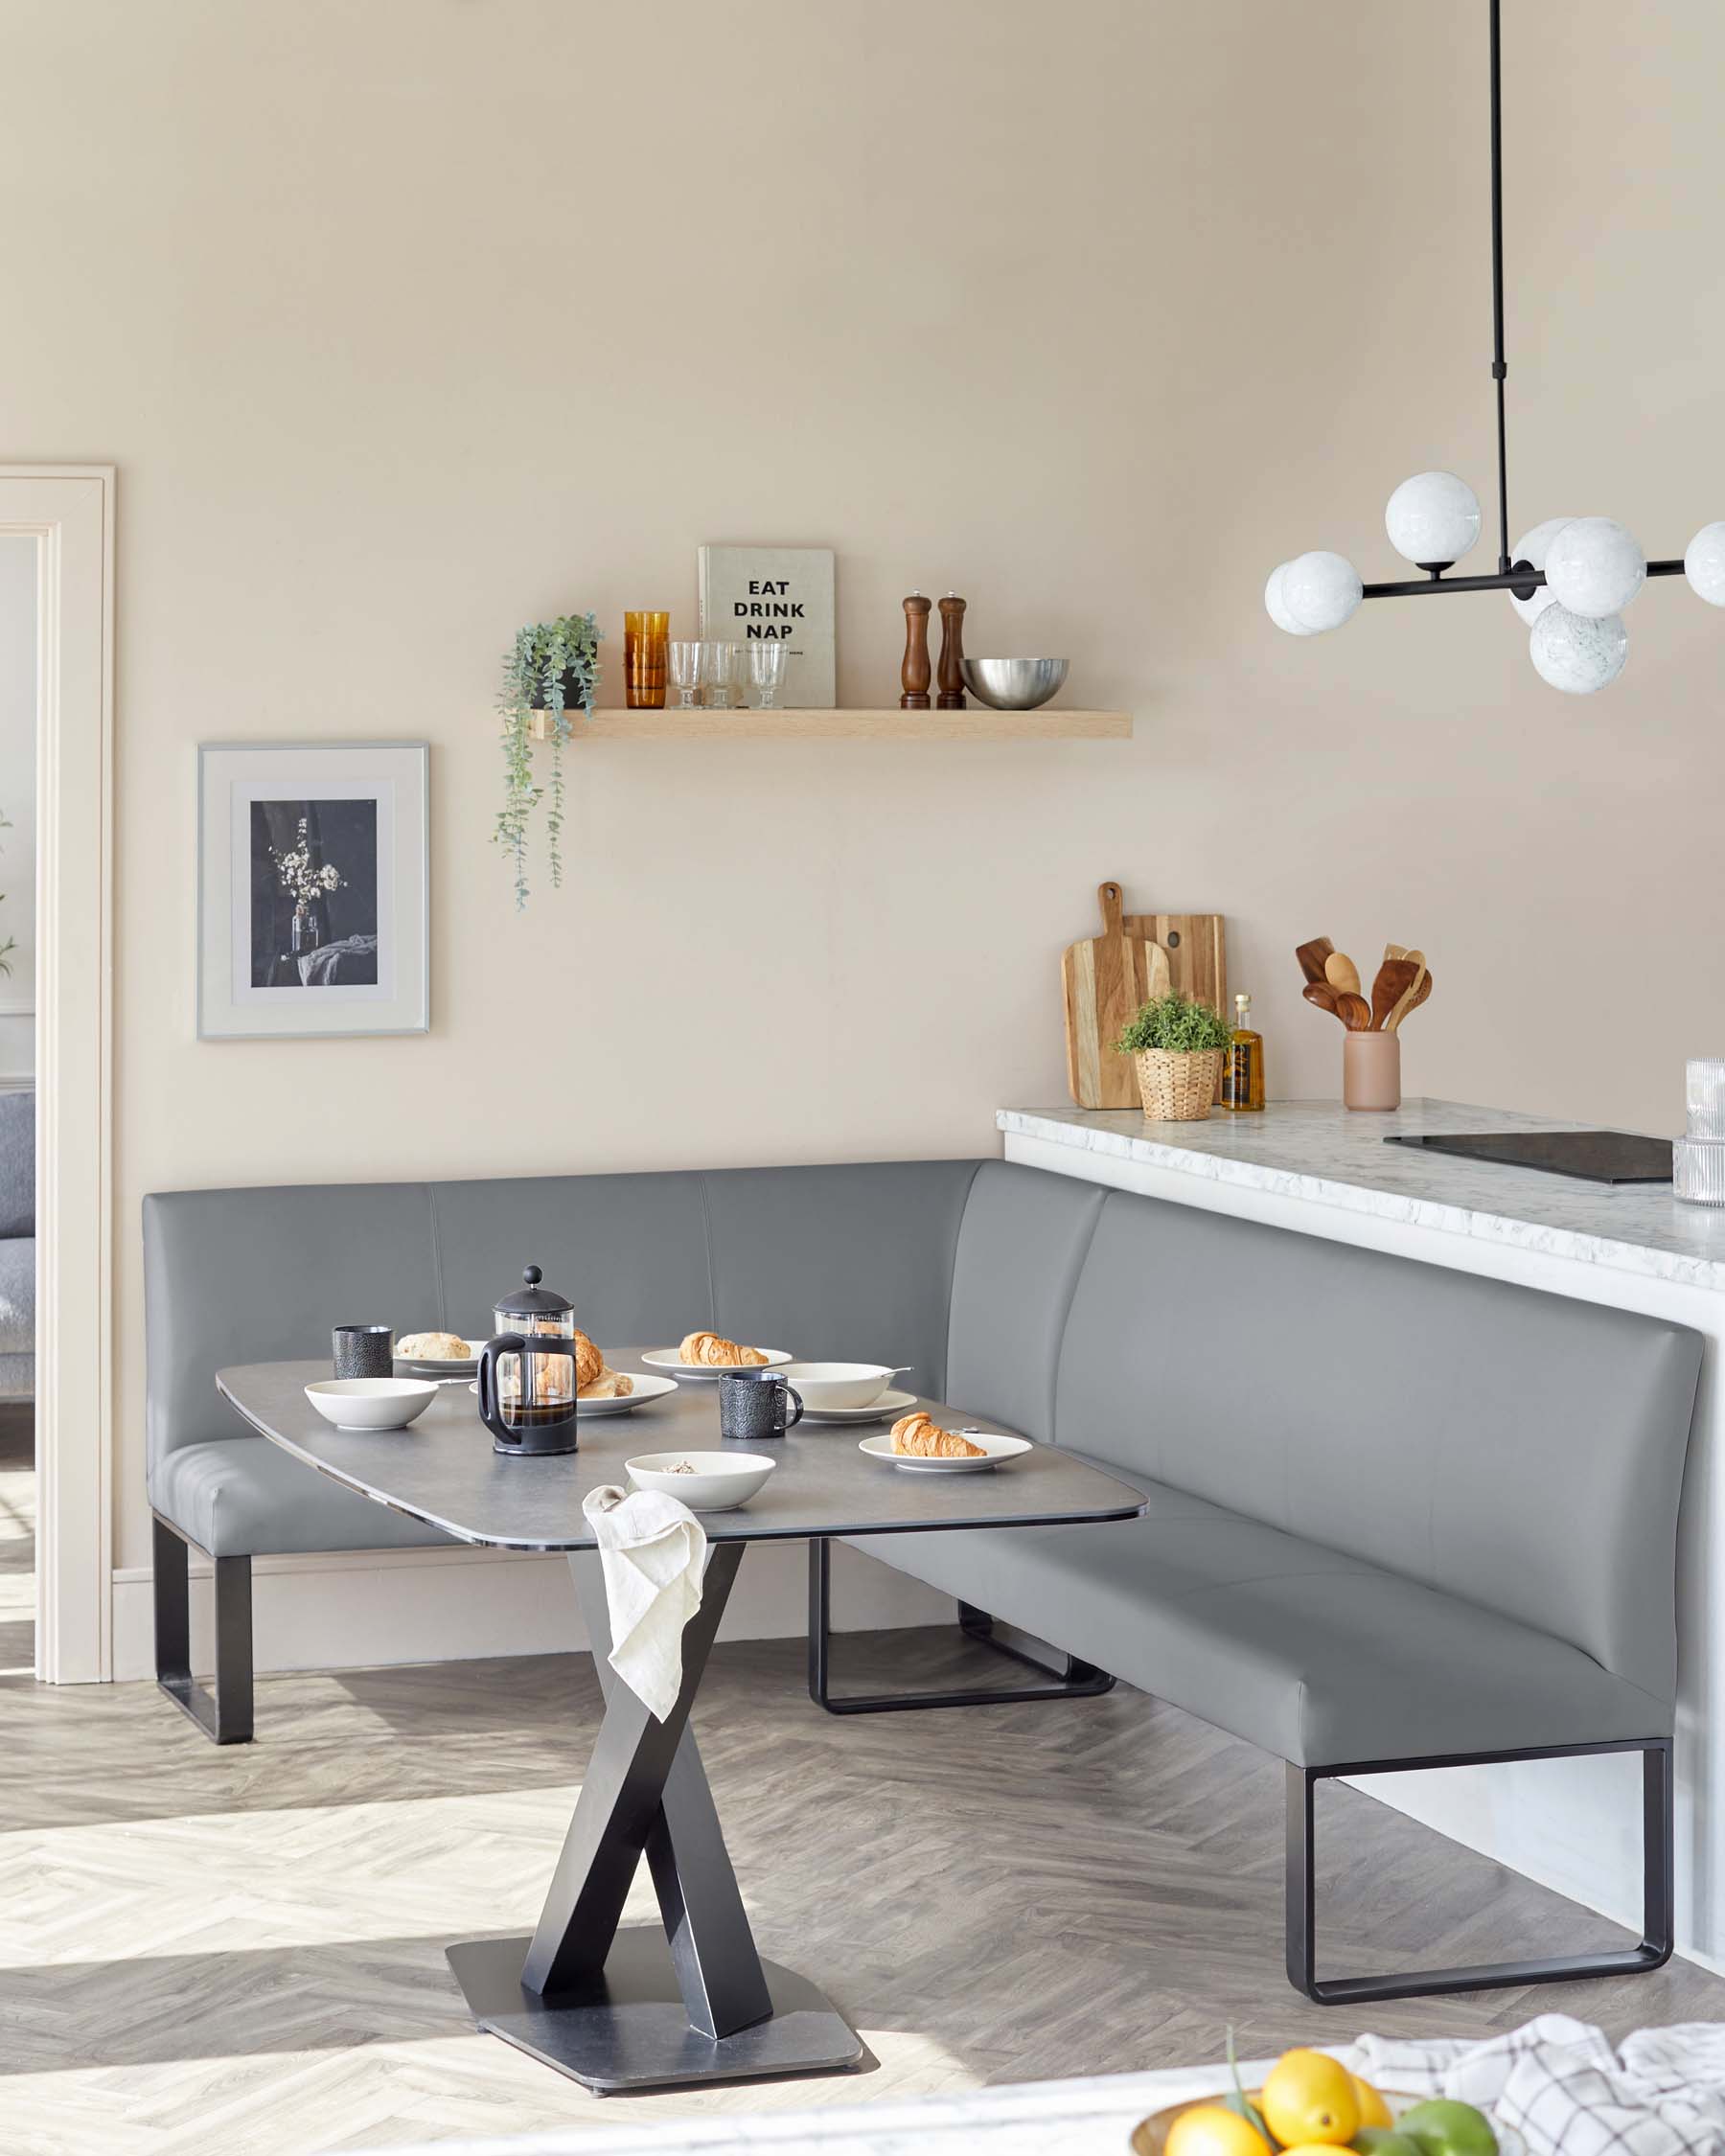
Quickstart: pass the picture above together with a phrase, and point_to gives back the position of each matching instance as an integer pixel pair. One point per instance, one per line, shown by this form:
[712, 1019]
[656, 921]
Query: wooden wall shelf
[976, 725]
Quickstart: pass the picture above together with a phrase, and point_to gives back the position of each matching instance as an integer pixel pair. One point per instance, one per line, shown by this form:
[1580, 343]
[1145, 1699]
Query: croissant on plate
[713, 1351]
[920, 1436]
[590, 1363]
[608, 1385]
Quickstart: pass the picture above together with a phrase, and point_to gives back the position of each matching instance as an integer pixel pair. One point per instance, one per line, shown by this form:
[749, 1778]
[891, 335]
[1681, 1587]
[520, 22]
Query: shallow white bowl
[720, 1483]
[837, 1385]
[371, 1403]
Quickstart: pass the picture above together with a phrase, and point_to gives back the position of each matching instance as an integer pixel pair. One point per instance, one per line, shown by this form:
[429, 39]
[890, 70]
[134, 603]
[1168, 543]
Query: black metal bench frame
[224, 1712]
[1073, 1679]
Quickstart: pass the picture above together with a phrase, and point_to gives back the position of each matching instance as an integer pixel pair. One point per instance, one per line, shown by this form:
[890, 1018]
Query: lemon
[1212, 2129]
[1373, 2110]
[1309, 2097]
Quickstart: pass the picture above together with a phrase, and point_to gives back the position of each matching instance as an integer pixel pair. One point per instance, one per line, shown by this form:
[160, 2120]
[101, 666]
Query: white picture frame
[313, 889]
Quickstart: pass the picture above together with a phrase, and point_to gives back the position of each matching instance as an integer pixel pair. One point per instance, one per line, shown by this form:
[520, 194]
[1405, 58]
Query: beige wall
[411, 321]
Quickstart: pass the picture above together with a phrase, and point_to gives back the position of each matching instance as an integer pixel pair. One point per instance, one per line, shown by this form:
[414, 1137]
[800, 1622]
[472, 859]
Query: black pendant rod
[1498, 370]
[1523, 582]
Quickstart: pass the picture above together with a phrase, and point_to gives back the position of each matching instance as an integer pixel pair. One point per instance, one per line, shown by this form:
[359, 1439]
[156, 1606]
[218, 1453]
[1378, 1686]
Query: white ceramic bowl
[371, 1403]
[721, 1482]
[837, 1385]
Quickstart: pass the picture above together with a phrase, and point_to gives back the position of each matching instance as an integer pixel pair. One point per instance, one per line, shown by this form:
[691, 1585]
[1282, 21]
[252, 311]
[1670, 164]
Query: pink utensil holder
[1372, 1071]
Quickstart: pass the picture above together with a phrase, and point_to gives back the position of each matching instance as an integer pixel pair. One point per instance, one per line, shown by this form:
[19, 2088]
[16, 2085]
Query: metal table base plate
[636, 2033]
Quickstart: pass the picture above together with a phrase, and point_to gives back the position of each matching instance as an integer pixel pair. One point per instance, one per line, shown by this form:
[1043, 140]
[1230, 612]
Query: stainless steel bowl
[1014, 684]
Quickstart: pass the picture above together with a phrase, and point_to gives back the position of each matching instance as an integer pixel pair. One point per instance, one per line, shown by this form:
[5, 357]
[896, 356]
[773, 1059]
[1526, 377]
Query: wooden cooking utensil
[1405, 1001]
[1316, 992]
[1106, 979]
[1353, 1010]
[1408, 1003]
[1311, 956]
[1394, 977]
[1342, 974]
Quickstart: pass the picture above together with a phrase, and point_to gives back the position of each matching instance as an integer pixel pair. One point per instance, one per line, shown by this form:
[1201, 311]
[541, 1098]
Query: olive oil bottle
[1243, 1073]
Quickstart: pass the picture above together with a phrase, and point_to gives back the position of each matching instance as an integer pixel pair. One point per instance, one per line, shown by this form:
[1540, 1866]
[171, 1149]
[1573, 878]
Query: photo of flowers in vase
[313, 894]
[313, 889]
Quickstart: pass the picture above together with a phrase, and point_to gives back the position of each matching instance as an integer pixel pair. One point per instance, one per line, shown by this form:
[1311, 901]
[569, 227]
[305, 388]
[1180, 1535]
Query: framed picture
[313, 889]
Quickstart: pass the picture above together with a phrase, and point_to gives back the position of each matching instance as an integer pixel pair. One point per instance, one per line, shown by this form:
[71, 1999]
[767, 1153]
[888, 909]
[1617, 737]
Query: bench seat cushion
[18, 1295]
[243, 1497]
[1302, 1650]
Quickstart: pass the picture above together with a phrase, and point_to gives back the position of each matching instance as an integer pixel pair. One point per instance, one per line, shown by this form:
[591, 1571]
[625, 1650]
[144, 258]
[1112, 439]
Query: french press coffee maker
[527, 1381]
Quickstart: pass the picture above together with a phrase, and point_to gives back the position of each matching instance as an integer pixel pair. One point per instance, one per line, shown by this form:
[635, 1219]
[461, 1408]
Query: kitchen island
[1313, 1167]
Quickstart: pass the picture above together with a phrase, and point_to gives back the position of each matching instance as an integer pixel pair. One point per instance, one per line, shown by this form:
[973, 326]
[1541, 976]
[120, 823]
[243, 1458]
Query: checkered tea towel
[654, 1552]
[1558, 2084]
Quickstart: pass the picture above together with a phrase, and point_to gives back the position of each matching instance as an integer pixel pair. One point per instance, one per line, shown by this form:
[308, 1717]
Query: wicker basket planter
[1176, 1087]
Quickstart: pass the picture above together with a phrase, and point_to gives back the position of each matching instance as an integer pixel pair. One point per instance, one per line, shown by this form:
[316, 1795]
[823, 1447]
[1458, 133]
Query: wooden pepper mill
[951, 653]
[914, 674]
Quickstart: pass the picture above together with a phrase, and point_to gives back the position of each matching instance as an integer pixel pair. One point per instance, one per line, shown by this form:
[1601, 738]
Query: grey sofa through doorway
[1476, 1565]
[17, 1244]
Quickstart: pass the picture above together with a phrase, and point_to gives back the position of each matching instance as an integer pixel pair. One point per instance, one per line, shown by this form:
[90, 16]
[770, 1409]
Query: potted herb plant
[1178, 1045]
[553, 667]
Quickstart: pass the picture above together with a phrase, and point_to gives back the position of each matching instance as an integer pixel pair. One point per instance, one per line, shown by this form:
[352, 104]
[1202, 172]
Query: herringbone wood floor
[242, 1950]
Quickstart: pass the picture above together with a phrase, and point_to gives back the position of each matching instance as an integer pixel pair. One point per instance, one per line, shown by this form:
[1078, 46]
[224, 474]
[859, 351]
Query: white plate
[665, 1358]
[645, 1389]
[720, 1483]
[998, 1450]
[893, 1404]
[435, 1367]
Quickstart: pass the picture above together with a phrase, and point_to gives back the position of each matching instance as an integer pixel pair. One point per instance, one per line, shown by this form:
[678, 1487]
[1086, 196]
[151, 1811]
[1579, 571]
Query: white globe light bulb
[1595, 567]
[1433, 518]
[1704, 563]
[1578, 653]
[1275, 605]
[1532, 547]
[1320, 590]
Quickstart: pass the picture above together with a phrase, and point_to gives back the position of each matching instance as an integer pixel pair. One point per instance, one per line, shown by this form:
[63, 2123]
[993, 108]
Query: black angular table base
[644, 2008]
[635, 2031]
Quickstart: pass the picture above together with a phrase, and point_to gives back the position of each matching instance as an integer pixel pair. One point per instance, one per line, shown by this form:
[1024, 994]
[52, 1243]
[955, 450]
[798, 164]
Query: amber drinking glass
[646, 640]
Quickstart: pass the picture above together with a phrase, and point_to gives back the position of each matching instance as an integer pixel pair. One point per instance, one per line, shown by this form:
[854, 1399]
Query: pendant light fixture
[1569, 579]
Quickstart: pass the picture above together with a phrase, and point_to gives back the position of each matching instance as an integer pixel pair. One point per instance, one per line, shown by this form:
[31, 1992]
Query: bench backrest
[1520, 1450]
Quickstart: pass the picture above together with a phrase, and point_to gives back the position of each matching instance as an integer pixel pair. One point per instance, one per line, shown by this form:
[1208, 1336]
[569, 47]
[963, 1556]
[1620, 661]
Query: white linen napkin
[1558, 2084]
[652, 1551]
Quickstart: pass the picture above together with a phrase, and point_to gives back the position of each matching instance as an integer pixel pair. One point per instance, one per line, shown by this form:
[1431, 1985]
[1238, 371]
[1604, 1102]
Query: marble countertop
[1078, 2117]
[1319, 1150]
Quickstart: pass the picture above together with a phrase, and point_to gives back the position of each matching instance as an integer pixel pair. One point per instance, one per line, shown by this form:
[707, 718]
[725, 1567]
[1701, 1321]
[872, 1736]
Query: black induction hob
[1591, 1155]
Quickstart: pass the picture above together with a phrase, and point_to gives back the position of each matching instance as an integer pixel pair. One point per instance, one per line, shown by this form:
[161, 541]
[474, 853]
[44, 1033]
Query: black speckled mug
[755, 1405]
[365, 1350]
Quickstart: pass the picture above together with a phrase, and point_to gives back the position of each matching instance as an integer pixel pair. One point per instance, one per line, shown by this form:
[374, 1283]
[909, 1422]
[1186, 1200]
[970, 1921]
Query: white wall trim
[70, 509]
[361, 1609]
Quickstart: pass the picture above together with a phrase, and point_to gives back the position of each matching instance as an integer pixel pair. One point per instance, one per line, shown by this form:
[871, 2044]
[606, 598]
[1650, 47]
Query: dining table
[690, 2001]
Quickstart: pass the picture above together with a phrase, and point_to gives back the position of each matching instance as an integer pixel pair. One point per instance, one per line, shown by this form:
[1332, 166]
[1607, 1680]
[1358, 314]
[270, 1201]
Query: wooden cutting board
[1197, 949]
[1106, 979]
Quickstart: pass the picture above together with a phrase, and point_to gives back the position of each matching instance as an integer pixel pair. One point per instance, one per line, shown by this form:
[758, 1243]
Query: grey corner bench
[1465, 1559]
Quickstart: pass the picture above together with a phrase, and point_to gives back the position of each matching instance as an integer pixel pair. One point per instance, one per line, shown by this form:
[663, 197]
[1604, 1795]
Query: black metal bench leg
[1074, 1679]
[223, 1713]
[1658, 1887]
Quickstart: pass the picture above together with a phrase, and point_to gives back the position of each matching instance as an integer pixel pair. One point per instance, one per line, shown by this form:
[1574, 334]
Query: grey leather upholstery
[1470, 1548]
[822, 1256]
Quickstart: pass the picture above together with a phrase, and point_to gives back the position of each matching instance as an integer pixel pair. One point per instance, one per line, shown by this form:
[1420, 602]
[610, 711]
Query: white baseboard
[363, 1609]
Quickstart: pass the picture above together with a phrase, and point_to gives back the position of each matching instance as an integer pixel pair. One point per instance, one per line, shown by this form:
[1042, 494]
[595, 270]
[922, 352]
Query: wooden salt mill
[951, 653]
[914, 675]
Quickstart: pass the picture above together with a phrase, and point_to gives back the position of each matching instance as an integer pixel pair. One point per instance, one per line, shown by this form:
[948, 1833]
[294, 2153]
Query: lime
[1445, 2128]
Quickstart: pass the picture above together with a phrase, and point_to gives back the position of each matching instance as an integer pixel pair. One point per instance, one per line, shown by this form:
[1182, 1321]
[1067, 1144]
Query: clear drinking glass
[767, 662]
[720, 672]
[685, 671]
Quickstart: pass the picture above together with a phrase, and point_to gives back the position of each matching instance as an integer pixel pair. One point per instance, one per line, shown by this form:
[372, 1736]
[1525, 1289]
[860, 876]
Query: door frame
[69, 509]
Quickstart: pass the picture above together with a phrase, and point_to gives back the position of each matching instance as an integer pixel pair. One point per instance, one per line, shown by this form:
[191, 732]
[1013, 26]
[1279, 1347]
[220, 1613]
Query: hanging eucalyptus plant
[553, 668]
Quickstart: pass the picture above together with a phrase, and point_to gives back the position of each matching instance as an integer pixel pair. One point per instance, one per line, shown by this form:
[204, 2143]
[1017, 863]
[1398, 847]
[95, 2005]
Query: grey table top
[442, 1469]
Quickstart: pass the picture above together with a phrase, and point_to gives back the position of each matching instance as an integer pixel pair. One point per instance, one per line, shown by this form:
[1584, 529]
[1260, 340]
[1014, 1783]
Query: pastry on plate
[921, 1437]
[435, 1347]
[590, 1363]
[713, 1351]
[608, 1385]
